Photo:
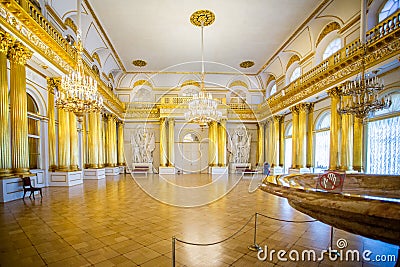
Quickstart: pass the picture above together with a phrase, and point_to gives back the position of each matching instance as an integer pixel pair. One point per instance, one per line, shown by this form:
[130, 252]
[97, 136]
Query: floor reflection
[187, 190]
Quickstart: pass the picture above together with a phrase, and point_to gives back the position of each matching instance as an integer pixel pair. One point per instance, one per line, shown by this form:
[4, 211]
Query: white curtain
[383, 153]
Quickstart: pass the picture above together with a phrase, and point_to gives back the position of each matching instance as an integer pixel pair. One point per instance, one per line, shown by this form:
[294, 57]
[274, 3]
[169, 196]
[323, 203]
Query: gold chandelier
[362, 96]
[78, 92]
[202, 109]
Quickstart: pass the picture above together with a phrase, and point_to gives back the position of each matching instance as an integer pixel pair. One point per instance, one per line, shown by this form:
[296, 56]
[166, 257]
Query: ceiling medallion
[139, 63]
[247, 64]
[205, 17]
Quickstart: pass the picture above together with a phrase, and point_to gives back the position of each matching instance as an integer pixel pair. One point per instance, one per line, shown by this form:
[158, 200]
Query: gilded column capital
[6, 41]
[304, 107]
[311, 107]
[294, 109]
[278, 118]
[334, 92]
[53, 83]
[19, 53]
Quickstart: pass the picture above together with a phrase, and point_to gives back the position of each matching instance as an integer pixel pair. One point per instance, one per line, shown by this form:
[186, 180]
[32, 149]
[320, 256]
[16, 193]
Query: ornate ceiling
[160, 32]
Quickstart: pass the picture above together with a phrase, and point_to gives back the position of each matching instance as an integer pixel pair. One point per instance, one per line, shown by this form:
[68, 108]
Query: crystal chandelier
[202, 109]
[361, 96]
[78, 92]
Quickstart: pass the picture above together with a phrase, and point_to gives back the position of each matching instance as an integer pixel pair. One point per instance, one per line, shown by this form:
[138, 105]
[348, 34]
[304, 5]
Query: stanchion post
[173, 251]
[255, 246]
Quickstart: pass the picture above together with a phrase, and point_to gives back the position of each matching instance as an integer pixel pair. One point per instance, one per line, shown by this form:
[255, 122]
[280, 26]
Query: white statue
[143, 145]
[239, 146]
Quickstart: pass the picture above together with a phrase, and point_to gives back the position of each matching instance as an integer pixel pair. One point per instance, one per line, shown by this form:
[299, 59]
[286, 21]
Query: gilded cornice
[61, 56]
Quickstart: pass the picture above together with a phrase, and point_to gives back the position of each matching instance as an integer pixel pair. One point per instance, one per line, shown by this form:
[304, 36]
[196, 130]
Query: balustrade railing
[348, 53]
[37, 16]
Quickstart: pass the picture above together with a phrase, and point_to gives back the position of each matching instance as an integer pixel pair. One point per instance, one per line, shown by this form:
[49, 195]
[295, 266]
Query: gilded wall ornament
[206, 17]
[139, 63]
[246, 64]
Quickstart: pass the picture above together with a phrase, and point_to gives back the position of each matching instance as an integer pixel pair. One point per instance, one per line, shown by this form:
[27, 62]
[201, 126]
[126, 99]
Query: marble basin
[367, 205]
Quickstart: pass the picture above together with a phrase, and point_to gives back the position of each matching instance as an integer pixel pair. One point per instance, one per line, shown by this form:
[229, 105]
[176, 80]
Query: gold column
[5, 152]
[171, 142]
[216, 142]
[106, 137]
[295, 134]
[275, 141]
[18, 55]
[270, 150]
[121, 156]
[302, 136]
[346, 149]
[93, 145]
[358, 144]
[222, 143]
[163, 142]
[74, 149]
[114, 141]
[261, 143]
[63, 141]
[210, 144]
[282, 141]
[100, 133]
[334, 130]
[266, 134]
[52, 83]
[310, 136]
[84, 141]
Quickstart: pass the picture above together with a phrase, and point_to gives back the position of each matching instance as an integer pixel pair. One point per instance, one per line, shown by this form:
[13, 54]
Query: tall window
[322, 142]
[332, 47]
[389, 8]
[295, 74]
[383, 145]
[288, 147]
[33, 133]
[273, 90]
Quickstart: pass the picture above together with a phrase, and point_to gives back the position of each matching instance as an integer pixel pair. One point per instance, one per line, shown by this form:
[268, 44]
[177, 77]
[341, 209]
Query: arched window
[33, 133]
[288, 147]
[383, 140]
[389, 8]
[273, 90]
[322, 142]
[295, 74]
[332, 47]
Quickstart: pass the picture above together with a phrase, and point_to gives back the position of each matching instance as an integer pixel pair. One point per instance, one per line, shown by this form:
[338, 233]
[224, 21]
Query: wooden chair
[28, 187]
